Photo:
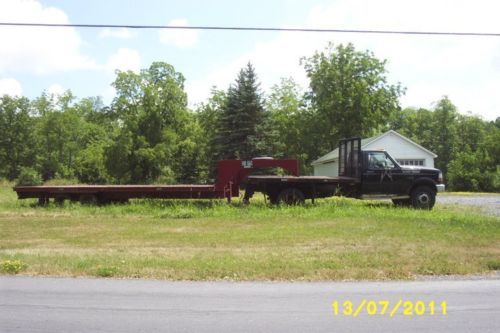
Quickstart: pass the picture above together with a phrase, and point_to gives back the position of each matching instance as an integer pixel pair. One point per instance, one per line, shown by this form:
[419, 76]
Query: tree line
[148, 134]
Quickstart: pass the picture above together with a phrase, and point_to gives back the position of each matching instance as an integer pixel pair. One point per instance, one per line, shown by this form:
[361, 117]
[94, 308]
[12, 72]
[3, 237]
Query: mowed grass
[334, 239]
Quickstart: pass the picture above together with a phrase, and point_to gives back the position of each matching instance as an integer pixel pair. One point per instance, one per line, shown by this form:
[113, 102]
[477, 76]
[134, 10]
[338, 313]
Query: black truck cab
[380, 176]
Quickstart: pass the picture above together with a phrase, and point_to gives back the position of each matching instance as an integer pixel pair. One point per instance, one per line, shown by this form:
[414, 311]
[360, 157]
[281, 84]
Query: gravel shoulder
[486, 203]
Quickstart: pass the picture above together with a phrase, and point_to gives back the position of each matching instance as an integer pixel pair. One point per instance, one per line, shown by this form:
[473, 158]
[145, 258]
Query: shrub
[493, 265]
[106, 271]
[61, 181]
[468, 172]
[28, 177]
[12, 266]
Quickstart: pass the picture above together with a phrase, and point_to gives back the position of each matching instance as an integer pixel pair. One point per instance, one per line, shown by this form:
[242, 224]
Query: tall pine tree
[240, 124]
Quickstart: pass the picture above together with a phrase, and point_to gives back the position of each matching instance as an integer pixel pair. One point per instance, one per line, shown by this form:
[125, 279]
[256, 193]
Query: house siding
[327, 169]
[401, 149]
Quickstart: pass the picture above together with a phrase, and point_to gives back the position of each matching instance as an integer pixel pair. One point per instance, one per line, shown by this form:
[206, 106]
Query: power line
[358, 31]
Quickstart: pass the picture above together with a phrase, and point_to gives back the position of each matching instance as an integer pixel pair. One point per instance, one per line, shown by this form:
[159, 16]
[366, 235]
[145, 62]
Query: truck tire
[291, 196]
[401, 202]
[423, 197]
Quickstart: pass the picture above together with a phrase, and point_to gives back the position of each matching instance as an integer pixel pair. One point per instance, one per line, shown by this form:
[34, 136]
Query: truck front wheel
[291, 196]
[423, 197]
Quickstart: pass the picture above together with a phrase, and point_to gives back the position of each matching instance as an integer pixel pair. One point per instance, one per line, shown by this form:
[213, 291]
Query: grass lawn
[335, 239]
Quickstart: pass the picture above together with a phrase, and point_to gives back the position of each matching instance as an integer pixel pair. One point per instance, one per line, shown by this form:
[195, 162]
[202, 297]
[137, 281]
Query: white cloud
[56, 89]
[10, 87]
[122, 33]
[464, 68]
[108, 95]
[182, 38]
[124, 59]
[38, 50]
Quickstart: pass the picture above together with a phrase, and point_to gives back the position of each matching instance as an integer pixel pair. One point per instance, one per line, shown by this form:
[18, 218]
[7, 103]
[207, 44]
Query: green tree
[96, 135]
[284, 106]
[434, 129]
[238, 134]
[468, 172]
[60, 134]
[416, 124]
[208, 116]
[445, 138]
[467, 146]
[470, 131]
[155, 132]
[291, 126]
[349, 94]
[17, 139]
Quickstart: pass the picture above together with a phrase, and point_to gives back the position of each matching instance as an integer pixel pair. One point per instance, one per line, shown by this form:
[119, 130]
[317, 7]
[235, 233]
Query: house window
[411, 162]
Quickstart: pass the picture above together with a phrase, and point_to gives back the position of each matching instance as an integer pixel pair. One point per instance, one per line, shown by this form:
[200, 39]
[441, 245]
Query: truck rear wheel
[291, 196]
[423, 197]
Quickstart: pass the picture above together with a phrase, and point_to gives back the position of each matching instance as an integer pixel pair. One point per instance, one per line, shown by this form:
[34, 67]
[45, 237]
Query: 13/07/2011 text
[388, 308]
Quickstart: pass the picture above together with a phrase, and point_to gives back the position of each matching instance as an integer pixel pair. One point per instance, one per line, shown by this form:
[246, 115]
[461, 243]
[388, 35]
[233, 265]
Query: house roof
[334, 154]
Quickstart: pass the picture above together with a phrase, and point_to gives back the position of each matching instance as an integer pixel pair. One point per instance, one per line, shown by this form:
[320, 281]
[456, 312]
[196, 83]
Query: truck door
[378, 173]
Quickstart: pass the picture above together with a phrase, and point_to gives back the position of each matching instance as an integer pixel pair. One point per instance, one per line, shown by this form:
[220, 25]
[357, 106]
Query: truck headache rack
[350, 157]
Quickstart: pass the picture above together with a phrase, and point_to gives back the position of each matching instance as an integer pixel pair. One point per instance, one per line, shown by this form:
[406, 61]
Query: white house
[405, 151]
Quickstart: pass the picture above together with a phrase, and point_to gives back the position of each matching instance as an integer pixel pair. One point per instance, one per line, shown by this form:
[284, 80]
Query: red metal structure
[230, 175]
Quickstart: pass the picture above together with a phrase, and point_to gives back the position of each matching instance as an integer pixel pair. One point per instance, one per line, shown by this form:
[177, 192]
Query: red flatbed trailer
[230, 175]
[117, 193]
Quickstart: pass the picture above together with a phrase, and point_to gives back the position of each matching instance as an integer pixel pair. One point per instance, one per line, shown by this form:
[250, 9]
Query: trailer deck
[230, 175]
[304, 179]
[121, 192]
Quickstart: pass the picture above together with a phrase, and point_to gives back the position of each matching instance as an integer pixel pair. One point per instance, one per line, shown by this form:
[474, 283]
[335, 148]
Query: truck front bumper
[440, 187]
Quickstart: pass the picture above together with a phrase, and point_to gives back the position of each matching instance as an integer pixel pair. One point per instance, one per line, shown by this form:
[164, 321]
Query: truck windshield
[379, 160]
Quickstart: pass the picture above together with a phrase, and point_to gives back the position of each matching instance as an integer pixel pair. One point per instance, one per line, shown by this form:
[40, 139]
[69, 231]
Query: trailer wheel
[117, 201]
[423, 197]
[59, 200]
[88, 199]
[43, 201]
[401, 202]
[273, 198]
[291, 196]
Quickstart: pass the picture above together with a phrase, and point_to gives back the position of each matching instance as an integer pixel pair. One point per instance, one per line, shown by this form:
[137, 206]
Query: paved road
[97, 305]
[489, 204]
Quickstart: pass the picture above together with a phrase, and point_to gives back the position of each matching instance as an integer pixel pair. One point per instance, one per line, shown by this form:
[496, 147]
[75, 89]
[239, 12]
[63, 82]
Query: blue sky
[464, 68]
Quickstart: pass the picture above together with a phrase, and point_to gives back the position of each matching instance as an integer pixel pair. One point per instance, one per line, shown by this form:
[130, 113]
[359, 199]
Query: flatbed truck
[370, 174]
